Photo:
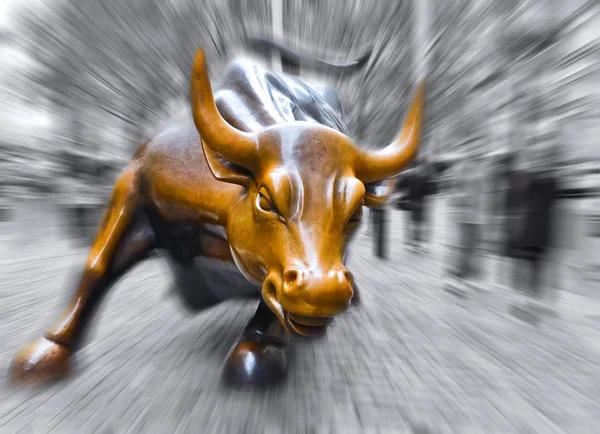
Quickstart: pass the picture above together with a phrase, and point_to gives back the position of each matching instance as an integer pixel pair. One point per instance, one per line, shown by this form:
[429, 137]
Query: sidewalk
[570, 293]
[412, 355]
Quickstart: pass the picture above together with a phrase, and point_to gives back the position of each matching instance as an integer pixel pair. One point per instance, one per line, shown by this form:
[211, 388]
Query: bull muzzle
[306, 301]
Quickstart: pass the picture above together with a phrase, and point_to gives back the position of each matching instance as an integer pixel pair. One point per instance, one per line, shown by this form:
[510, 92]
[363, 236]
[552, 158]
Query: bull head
[305, 186]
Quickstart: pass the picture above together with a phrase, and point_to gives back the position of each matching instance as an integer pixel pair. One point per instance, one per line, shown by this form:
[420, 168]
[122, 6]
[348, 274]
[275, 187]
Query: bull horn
[236, 146]
[391, 160]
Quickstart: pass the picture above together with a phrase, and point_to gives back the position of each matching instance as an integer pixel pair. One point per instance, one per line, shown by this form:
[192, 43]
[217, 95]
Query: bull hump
[273, 98]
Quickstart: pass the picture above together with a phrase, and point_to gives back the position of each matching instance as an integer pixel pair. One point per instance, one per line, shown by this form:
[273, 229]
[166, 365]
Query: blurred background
[511, 140]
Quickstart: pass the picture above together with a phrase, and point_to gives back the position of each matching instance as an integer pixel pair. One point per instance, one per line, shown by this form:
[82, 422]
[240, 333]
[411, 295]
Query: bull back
[251, 99]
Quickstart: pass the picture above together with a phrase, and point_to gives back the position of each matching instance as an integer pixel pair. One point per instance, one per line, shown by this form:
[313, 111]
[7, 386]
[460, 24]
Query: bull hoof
[255, 363]
[42, 361]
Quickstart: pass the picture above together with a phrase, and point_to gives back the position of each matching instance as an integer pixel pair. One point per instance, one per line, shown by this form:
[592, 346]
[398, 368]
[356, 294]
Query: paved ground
[413, 358]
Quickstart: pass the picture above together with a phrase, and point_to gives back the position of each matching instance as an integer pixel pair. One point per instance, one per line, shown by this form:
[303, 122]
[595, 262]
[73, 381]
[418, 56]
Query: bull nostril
[291, 279]
[270, 288]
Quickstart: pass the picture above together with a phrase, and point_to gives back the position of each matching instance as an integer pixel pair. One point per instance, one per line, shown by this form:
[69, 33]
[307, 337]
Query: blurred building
[577, 77]
[496, 69]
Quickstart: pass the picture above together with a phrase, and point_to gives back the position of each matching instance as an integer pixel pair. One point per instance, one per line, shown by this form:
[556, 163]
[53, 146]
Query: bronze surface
[288, 193]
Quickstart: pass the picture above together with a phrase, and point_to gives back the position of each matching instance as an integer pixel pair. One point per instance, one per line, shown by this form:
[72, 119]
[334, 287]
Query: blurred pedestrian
[538, 232]
[419, 187]
[402, 202]
[514, 202]
[379, 220]
[431, 182]
[469, 203]
[498, 181]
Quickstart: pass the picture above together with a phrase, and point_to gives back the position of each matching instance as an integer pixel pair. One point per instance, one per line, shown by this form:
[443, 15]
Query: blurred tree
[128, 59]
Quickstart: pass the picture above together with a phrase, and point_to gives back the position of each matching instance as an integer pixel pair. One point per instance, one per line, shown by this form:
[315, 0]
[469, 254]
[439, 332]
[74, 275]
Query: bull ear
[224, 170]
[379, 193]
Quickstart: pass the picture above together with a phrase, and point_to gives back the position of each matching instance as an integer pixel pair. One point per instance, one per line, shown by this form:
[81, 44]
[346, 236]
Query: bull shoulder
[177, 181]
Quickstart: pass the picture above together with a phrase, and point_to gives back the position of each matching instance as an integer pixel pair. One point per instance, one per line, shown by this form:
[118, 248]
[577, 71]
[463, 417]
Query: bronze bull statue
[262, 175]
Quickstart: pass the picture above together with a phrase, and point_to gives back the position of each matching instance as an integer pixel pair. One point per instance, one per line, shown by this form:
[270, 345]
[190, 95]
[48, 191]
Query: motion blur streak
[480, 284]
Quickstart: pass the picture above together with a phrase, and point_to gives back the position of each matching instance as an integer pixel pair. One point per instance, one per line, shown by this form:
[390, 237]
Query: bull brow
[286, 193]
[296, 194]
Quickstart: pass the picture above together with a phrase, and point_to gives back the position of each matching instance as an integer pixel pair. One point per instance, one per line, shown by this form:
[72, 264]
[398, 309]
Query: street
[412, 358]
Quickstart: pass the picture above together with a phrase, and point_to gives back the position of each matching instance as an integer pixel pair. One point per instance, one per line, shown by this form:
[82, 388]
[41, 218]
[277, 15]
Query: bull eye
[264, 204]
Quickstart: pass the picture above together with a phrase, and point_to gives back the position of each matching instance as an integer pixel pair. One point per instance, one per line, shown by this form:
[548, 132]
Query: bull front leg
[258, 359]
[124, 239]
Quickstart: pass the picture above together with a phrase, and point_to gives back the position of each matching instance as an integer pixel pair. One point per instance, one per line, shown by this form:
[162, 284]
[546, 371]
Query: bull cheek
[253, 272]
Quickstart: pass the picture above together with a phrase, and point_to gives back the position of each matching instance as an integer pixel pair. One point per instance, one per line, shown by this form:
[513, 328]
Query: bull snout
[305, 300]
[315, 293]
